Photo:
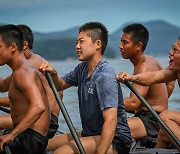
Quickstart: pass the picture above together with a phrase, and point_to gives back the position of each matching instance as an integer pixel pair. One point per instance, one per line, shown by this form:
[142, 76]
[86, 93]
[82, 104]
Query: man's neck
[16, 61]
[28, 53]
[92, 64]
[137, 59]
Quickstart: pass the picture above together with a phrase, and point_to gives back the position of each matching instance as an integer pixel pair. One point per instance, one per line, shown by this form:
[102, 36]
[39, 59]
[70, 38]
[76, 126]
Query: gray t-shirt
[96, 93]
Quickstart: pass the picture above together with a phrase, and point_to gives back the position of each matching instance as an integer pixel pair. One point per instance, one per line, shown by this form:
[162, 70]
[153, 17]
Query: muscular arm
[4, 101]
[5, 83]
[171, 84]
[170, 87]
[108, 129]
[59, 82]
[149, 78]
[132, 103]
[34, 98]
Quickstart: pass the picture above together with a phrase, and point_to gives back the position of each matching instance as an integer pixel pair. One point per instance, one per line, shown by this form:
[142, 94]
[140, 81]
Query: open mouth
[170, 59]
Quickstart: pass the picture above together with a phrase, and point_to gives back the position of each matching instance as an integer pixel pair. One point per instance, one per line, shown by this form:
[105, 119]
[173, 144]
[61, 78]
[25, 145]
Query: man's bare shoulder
[36, 60]
[156, 62]
[26, 70]
[149, 64]
[38, 57]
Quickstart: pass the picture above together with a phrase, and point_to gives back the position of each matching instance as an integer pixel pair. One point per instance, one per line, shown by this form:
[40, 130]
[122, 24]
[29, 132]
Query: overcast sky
[57, 15]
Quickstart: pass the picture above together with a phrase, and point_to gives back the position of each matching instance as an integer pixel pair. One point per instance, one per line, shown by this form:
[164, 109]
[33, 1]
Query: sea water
[70, 98]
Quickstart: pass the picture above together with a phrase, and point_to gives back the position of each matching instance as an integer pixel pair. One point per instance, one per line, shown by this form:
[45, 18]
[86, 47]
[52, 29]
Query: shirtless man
[171, 73]
[36, 60]
[29, 104]
[133, 44]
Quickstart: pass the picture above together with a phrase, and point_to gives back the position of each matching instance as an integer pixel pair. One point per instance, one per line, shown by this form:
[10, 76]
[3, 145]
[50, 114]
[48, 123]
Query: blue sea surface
[70, 98]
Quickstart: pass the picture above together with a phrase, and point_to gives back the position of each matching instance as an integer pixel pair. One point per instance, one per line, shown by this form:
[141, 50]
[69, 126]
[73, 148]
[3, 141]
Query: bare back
[29, 103]
[37, 61]
[156, 95]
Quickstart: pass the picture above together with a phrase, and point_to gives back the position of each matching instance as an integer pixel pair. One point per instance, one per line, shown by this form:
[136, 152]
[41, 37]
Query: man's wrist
[132, 78]
[54, 72]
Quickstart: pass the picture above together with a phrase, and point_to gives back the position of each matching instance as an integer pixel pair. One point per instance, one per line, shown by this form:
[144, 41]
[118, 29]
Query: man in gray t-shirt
[102, 112]
[97, 93]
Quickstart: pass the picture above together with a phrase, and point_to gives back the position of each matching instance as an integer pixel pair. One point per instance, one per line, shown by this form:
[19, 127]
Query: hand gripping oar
[65, 113]
[4, 109]
[6, 148]
[161, 122]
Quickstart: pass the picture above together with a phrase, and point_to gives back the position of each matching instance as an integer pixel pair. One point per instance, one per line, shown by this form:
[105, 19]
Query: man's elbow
[131, 106]
[112, 122]
[4, 89]
[40, 109]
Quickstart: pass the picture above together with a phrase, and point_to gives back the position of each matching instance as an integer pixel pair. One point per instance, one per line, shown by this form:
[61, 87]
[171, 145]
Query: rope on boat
[162, 123]
[65, 113]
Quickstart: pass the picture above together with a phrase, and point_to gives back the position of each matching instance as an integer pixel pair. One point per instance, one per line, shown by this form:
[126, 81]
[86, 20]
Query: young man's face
[85, 48]
[4, 52]
[176, 56]
[127, 46]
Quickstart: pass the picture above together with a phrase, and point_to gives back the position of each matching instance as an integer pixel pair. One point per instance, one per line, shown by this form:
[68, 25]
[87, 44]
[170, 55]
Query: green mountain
[162, 36]
[60, 45]
[61, 49]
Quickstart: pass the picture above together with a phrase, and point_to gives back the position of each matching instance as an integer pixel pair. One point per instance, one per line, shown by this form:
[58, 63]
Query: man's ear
[99, 44]
[25, 46]
[13, 47]
[139, 46]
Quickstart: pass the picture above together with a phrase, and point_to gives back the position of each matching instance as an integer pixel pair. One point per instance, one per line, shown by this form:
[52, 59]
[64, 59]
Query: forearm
[129, 104]
[170, 87]
[58, 81]
[144, 79]
[5, 83]
[107, 135]
[4, 101]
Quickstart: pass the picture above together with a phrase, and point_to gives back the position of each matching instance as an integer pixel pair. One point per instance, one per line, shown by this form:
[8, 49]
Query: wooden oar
[65, 113]
[175, 140]
[6, 148]
[4, 109]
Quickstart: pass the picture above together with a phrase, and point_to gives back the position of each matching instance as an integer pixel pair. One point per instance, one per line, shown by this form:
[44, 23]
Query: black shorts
[85, 135]
[121, 144]
[53, 127]
[149, 121]
[28, 142]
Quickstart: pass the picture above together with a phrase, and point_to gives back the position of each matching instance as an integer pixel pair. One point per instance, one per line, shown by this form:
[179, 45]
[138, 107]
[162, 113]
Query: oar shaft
[4, 109]
[65, 113]
[162, 123]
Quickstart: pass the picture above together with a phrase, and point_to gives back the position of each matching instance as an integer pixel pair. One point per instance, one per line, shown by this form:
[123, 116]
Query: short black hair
[139, 33]
[11, 34]
[96, 31]
[27, 35]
